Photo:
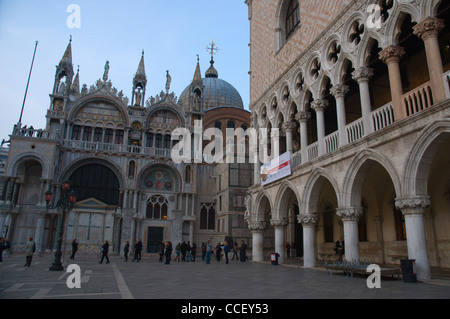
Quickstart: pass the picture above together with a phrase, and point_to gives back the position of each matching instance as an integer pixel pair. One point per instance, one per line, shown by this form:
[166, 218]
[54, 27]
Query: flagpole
[28, 83]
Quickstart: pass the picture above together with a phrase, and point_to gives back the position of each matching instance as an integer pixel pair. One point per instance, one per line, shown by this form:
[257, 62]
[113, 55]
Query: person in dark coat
[168, 252]
[218, 251]
[74, 248]
[243, 255]
[4, 244]
[126, 249]
[183, 251]
[193, 251]
[105, 249]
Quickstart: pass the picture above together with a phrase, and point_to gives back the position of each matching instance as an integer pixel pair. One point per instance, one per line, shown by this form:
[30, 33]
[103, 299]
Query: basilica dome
[216, 92]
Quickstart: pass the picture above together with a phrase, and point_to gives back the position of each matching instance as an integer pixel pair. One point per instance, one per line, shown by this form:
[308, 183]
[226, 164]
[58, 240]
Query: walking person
[188, 252]
[243, 254]
[136, 257]
[193, 251]
[208, 251]
[177, 252]
[139, 252]
[105, 249]
[183, 251]
[29, 251]
[235, 251]
[339, 249]
[74, 248]
[168, 252]
[4, 245]
[218, 251]
[126, 249]
[203, 251]
[225, 251]
[162, 248]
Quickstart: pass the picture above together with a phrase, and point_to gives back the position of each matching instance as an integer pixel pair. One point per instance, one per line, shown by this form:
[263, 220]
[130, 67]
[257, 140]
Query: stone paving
[150, 279]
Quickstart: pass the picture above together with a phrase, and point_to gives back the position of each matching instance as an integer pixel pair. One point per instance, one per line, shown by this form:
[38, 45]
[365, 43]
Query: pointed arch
[285, 191]
[313, 187]
[356, 173]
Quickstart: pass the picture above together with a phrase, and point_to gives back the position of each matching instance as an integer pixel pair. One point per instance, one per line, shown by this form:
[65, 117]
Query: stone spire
[75, 89]
[139, 84]
[198, 74]
[66, 60]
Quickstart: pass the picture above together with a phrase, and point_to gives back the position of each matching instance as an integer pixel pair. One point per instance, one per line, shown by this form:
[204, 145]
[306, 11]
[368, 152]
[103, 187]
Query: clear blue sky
[172, 33]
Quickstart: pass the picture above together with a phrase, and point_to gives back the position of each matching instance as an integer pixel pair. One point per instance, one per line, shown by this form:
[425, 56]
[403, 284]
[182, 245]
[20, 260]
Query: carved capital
[319, 105]
[288, 126]
[362, 74]
[308, 220]
[414, 204]
[430, 26]
[349, 214]
[392, 53]
[257, 226]
[339, 90]
[278, 222]
[303, 116]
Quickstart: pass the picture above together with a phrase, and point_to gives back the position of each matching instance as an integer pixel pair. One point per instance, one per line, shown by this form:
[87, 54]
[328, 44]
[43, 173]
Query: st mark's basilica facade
[116, 153]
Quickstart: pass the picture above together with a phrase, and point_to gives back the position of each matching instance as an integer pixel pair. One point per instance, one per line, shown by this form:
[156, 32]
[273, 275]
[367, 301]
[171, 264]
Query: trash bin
[409, 270]
[274, 258]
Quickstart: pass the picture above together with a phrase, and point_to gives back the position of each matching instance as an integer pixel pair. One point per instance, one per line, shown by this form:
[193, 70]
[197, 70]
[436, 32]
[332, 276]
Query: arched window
[167, 141]
[207, 216]
[149, 142]
[98, 134]
[231, 124]
[157, 207]
[87, 133]
[158, 141]
[292, 17]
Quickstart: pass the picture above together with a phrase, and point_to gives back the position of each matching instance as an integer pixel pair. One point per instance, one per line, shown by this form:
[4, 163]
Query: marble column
[413, 208]
[257, 230]
[363, 76]
[392, 56]
[339, 91]
[279, 225]
[350, 217]
[287, 128]
[302, 118]
[320, 106]
[309, 223]
[38, 236]
[428, 31]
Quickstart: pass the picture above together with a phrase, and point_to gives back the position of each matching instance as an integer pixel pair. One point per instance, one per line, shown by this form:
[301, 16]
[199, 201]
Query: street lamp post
[66, 202]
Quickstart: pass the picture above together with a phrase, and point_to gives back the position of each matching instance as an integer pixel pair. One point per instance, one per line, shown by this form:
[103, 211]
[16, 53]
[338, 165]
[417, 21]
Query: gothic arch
[356, 173]
[313, 187]
[258, 214]
[285, 191]
[421, 157]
